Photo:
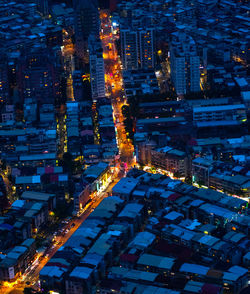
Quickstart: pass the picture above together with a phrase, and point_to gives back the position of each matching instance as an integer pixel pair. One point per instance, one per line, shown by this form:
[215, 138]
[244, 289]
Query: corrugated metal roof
[194, 268]
[156, 261]
[81, 272]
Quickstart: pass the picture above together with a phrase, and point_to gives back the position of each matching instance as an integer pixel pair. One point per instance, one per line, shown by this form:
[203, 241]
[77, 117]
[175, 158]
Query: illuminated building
[38, 76]
[72, 126]
[4, 83]
[96, 68]
[129, 49]
[220, 120]
[173, 161]
[147, 48]
[138, 48]
[17, 260]
[185, 62]
[139, 82]
[94, 180]
[86, 23]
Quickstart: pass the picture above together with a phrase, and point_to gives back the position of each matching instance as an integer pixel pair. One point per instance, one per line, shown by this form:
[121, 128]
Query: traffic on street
[115, 91]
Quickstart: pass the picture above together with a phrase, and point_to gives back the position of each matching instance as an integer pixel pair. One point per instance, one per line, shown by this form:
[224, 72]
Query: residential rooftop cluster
[156, 235]
[22, 26]
[174, 135]
[205, 35]
[90, 131]
[124, 146]
[27, 217]
[18, 258]
[197, 103]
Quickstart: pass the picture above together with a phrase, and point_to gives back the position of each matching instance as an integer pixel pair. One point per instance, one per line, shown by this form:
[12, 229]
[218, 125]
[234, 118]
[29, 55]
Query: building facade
[138, 48]
[96, 68]
[185, 62]
[129, 49]
[86, 23]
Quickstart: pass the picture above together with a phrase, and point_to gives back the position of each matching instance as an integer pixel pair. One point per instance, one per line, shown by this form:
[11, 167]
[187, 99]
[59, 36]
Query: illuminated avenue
[124, 147]
[114, 86]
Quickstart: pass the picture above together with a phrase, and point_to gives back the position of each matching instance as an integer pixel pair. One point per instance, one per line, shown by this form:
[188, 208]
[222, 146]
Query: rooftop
[94, 171]
[31, 195]
[81, 272]
[125, 186]
[194, 269]
[133, 274]
[156, 261]
[131, 210]
[218, 108]
[142, 240]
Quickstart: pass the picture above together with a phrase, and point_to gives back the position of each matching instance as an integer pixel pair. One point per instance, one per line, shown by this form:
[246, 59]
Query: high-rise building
[147, 48]
[96, 68]
[129, 49]
[38, 76]
[108, 4]
[86, 22]
[184, 63]
[43, 6]
[138, 48]
[4, 81]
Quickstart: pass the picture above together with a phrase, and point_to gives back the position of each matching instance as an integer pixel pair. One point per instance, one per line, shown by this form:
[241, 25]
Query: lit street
[124, 147]
[114, 87]
[31, 275]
